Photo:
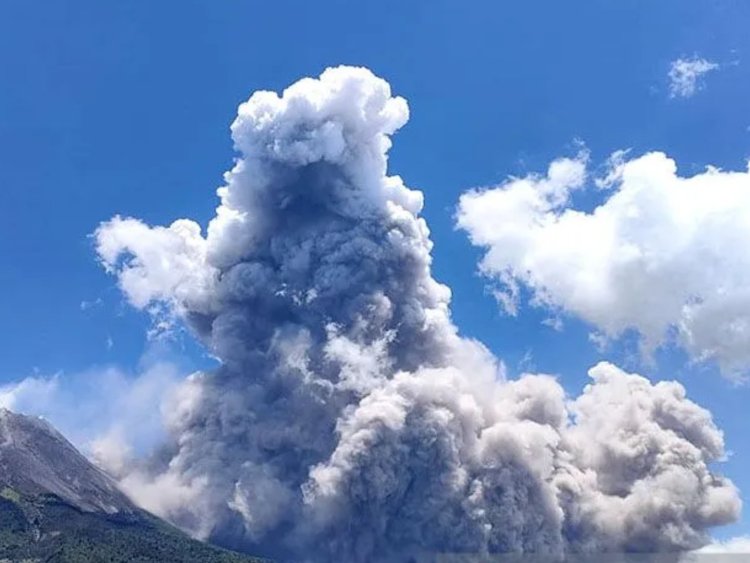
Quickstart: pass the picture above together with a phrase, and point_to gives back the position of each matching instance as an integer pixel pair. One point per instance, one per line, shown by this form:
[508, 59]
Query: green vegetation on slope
[45, 529]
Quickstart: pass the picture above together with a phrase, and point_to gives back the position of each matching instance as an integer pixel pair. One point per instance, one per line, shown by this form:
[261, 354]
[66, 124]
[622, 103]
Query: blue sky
[124, 108]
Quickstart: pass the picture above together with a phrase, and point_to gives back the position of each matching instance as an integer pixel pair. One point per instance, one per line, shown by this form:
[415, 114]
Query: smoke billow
[348, 419]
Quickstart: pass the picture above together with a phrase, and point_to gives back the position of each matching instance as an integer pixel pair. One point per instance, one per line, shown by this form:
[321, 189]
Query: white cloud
[169, 261]
[87, 305]
[739, 544]
[106, 412]
[685, 76]
[31, 390]
[732, 547]
[664, 255]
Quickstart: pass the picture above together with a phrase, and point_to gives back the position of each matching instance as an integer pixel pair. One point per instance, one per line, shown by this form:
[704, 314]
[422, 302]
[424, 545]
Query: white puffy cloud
[685, 76]
[663, 254]
[170, 265]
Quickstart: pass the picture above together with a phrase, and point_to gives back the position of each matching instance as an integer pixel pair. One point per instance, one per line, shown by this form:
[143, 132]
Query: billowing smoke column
[348, 420]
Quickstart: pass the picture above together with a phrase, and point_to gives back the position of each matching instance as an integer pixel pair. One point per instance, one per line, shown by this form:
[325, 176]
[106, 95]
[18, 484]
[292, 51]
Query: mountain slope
[36, 459]
[56, 506]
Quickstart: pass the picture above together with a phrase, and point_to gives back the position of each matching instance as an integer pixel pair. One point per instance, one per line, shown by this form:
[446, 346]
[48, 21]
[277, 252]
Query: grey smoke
[348, 420]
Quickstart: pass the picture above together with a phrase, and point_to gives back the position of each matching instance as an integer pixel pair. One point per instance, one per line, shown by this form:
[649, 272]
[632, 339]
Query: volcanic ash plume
[348, 420]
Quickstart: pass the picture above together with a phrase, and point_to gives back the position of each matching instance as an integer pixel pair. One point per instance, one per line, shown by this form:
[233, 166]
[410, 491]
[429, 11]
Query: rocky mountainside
[36, 459]
[55, 506]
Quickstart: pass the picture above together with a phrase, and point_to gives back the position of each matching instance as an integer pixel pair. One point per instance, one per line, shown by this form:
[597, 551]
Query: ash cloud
[348, 419]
